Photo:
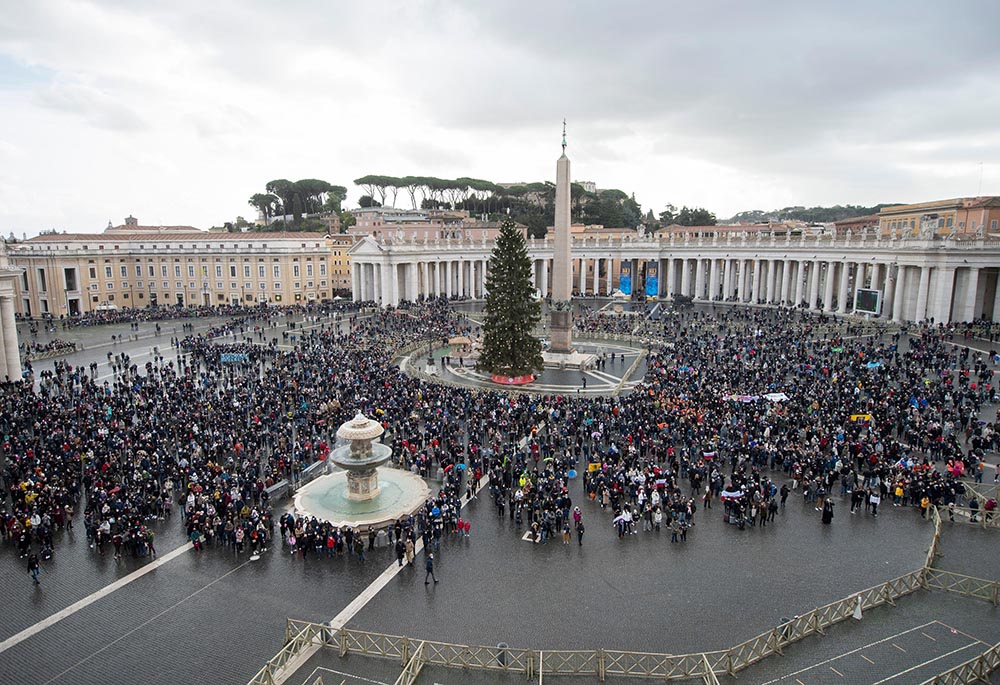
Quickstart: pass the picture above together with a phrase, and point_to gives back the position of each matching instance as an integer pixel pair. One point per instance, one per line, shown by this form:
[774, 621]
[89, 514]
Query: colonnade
[392, 282]
[916, 281]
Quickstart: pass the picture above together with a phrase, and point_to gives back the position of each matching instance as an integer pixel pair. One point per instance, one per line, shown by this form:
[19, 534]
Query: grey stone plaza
[218, 617]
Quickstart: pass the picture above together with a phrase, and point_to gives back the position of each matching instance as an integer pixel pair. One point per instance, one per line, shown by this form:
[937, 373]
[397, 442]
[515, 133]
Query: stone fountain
[360, 493]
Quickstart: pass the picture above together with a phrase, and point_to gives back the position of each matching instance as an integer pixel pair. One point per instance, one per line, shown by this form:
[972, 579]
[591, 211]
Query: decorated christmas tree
[512, 311]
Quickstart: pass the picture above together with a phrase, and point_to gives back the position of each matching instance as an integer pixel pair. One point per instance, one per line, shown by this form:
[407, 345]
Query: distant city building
[429, 224]
[856, 224]
[964, 216]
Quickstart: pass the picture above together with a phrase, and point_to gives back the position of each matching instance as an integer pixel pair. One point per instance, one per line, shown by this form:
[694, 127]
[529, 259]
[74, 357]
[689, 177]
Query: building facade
[939, 278]
[136, 266]
[964, 216]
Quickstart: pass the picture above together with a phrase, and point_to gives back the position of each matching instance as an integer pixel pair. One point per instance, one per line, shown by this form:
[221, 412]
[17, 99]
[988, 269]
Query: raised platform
[569, 360]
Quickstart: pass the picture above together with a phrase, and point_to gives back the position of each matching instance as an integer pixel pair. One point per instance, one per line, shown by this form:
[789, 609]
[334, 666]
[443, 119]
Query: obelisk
[561, 309]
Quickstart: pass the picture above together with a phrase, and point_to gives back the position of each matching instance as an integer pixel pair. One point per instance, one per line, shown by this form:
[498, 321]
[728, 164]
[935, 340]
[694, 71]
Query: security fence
[303, 637]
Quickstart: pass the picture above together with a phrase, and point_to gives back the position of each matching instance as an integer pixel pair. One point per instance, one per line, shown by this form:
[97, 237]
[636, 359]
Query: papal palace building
[134, 266]
[935, 260]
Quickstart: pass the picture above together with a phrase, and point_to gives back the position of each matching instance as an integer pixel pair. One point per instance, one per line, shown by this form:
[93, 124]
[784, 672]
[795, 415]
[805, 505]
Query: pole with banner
[625, 277]
[652, 278]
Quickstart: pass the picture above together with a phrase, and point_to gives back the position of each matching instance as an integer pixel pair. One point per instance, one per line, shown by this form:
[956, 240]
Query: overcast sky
[178, 111]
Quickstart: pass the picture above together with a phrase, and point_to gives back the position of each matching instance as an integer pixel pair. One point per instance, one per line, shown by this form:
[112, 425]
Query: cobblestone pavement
[210, 617]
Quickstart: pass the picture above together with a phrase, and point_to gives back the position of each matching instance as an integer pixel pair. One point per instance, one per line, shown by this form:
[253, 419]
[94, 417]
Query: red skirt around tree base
[512, 380]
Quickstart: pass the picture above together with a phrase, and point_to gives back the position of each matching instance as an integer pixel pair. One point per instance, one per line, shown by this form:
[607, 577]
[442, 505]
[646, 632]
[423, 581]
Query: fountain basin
[329, 498]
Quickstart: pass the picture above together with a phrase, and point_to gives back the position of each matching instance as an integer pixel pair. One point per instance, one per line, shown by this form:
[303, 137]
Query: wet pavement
[214, 617]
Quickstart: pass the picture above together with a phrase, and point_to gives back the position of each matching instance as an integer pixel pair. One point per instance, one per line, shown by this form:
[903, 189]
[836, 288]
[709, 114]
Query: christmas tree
[512, 312]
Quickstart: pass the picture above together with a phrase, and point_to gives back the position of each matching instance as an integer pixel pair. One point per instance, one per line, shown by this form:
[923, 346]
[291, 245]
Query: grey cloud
[94, 106]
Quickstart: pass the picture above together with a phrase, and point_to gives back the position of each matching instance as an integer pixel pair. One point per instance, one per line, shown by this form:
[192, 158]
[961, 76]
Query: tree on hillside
[511, 311]
[265, 203]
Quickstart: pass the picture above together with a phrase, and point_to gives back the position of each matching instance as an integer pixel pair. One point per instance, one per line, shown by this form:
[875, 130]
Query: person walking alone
[33, 568]
[430, 569]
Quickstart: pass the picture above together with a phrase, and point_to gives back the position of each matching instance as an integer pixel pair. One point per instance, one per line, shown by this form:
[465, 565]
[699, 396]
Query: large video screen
[867, 301]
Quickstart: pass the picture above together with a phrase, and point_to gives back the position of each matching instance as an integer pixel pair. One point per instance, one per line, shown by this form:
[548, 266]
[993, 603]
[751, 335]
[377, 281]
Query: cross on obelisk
[560, 312]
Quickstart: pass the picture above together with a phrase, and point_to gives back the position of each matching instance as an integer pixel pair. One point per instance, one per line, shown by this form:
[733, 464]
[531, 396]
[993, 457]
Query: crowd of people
[738, 408]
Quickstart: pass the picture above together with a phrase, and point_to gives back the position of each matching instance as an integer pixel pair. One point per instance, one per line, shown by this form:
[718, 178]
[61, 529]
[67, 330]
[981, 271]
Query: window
[277, 271]
[94, 286]
[124, 270]
[190, 270]
[297, 285]
[295, 271]
[218, 286]
[309, 270]
[993, 225]
[948, 223]
[107, 272]
[218, 271]
[277, 286]
[248, 285]
[124, 286]
[322, 269]
[111, 298]
[177, 270]
[263, 286]
[166, 285]
[138, 270]
[232, 271]
[260, 271]
[111, 286]
[139, 284]
[232, 286]
[246, 271]
[178, 285]
[93, 273]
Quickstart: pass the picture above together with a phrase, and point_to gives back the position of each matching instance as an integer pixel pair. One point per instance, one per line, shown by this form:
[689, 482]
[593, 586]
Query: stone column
[411, 290]
[482, 278]
[755, 286]
[595, 280]
[713, 279]
[355, 281]
[815, 268]
[786, 282]
[831, 271]
[876, 276]
[842, 295]
[699, 279]
[608, 283]
[899, 294]
[887, 295]
[944, 289]
[377, 283]
[9, 325]
[966, 309]
[582, 285]
[922, 293]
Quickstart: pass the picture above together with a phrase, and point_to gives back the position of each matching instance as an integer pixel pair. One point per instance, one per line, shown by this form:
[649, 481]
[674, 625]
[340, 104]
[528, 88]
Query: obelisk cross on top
[561, 310]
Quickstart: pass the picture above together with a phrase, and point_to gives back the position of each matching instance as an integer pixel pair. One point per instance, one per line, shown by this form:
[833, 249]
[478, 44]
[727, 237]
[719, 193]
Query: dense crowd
[739, 407]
